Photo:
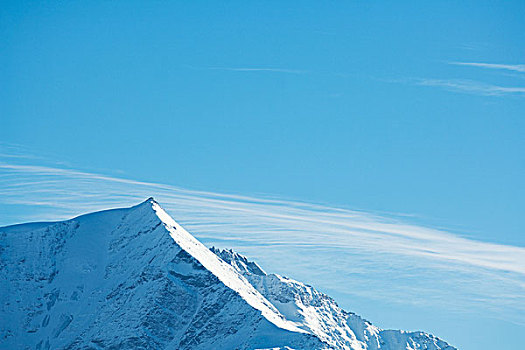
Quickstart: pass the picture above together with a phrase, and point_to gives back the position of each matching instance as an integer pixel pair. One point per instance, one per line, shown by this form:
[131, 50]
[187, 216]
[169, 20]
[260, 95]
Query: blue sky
[406, 109]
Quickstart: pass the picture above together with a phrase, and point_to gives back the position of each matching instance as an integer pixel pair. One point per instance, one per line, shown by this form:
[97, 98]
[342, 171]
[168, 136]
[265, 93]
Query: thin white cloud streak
[512, 67]
[351, 252]
[471, 86]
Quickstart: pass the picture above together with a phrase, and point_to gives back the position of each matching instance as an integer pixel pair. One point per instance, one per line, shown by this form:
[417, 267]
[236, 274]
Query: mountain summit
[135, 279]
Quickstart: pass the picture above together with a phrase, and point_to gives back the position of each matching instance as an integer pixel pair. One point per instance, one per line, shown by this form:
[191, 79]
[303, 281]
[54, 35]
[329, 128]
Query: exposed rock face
[134, 279]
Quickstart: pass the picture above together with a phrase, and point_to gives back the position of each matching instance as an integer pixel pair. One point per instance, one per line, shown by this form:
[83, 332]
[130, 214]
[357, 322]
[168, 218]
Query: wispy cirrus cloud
[512, 67]
[475, 87]
[471, 86]
[352, 253]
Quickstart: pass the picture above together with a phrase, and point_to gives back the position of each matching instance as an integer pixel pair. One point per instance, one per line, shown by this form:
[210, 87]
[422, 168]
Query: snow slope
[134, 278]
[318, 314]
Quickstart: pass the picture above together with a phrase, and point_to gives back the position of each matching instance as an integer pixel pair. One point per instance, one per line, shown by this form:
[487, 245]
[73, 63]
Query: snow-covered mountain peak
[239, 262]
[223, 271]
[134, 278]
